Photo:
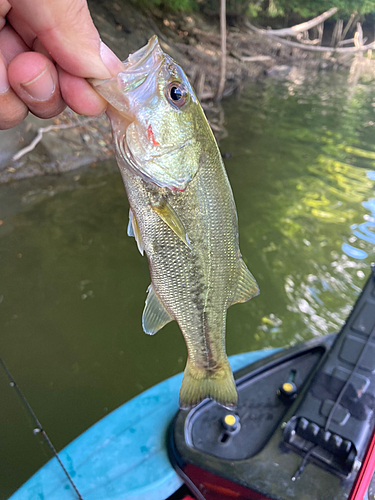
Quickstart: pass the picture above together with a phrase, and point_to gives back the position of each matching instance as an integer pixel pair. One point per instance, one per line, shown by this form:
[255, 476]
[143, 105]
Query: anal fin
[170, 217]
[133, 230]
[247, 287]
[154, 315]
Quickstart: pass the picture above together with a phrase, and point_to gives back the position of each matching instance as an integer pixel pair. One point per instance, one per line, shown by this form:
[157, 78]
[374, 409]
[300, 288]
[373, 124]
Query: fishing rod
[39, 429]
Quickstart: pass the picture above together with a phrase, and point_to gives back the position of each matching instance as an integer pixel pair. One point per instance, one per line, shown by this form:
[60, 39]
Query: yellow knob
[230, 419]
[288, 387]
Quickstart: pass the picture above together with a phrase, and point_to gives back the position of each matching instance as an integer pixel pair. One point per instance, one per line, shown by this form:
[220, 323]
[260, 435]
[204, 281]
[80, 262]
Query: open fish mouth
[137, 68]
[146, 57]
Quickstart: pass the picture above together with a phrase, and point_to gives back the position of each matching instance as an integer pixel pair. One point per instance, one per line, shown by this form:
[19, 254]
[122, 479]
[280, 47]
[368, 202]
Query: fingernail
[4, 82]
[41, 87]
[110, 60]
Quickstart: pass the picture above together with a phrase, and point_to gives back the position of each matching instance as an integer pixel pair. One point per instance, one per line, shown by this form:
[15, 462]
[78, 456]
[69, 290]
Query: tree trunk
[223, 32]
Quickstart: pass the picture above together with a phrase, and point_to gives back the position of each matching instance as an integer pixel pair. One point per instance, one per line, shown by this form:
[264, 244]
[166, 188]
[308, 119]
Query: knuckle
[12, 110]
[48, 111]
[49, 108]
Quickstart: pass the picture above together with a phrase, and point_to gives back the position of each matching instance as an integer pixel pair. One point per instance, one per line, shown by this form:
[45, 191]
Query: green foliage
[234, 8]
[172, 5]
[304, 9]
[252, 8]
[311, 8]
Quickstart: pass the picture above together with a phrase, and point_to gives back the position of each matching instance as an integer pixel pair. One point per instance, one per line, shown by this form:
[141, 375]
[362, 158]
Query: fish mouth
[146, 56]
[137, 68]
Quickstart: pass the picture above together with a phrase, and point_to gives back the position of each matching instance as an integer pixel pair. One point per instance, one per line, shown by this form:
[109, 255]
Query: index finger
[68, 33]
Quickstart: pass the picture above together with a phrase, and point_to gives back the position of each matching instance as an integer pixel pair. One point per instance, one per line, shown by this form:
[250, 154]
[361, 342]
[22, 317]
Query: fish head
[157, 121]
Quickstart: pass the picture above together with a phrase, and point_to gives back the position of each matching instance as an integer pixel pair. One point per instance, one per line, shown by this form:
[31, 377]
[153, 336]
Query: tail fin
[199, 384]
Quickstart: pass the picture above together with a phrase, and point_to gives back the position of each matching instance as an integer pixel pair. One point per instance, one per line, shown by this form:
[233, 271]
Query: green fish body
[182, 214]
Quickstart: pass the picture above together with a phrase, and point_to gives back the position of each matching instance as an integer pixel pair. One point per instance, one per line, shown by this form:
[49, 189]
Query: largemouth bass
[182, 214]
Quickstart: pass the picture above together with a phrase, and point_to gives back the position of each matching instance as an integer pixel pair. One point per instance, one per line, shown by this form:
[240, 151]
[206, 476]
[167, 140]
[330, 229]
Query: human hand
[47, 49]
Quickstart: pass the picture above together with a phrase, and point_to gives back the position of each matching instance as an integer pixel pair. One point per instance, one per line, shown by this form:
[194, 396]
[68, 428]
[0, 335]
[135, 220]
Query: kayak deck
[304, 426]
[124, 455]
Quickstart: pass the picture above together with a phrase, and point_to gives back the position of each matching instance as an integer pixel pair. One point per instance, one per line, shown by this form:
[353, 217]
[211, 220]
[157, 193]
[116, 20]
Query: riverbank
[71, 141]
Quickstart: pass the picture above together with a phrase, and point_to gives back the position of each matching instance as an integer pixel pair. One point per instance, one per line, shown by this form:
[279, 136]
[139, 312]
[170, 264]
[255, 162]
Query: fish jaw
[139, 65]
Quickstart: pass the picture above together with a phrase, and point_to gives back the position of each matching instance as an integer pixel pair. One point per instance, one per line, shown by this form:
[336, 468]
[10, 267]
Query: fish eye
[177, 94]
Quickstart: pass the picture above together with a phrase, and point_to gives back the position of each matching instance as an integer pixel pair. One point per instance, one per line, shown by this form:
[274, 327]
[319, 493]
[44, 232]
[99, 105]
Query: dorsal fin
[247, 287]
[154, 315]
[133, 230]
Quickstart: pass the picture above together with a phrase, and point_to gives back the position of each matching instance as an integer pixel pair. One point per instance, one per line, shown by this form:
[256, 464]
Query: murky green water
[73, 285]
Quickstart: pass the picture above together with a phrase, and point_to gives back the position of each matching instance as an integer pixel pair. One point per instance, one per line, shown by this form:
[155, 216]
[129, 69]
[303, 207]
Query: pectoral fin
[133, 230]
[154, 315]
[247, 287]
[169, 216]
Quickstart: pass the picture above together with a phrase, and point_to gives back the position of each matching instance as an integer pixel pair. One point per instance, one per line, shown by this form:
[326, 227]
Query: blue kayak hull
[124, 455]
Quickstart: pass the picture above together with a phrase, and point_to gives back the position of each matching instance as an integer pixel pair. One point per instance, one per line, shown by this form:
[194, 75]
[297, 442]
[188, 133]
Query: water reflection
[363, 234]
[311, 154]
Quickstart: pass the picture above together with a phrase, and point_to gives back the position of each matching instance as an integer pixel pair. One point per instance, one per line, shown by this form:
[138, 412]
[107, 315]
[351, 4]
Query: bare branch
[339, 50]
[43, 130]
[256, 58]
[199, 85]
[306, 40]
[298, 28]
[346, 42]
[348, 25]
[223, 33]
[337, 32]
[320, 28]
[358, 36]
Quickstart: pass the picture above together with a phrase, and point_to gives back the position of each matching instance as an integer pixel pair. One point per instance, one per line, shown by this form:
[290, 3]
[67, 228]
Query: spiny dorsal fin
[247, 287]
[154, 315]
[133, 230]
[169, 216]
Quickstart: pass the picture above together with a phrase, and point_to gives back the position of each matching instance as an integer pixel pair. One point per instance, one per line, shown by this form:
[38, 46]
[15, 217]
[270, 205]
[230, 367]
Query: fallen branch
[340, 50]
[299, 28]
[43, 130]
[346, 42]
[348, 25]
[358, 36]
[256, 58]
[320, 29]
[337, 33]
[306, 40]
[199, 84]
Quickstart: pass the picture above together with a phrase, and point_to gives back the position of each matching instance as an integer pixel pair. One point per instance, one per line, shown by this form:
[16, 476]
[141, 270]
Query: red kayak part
[366, 472]
[206, 485]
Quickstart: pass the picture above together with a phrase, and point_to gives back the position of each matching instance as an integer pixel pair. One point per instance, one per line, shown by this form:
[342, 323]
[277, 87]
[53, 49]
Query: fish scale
[183, 215]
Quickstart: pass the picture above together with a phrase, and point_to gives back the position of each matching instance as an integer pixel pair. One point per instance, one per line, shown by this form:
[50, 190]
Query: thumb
[67, 31]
